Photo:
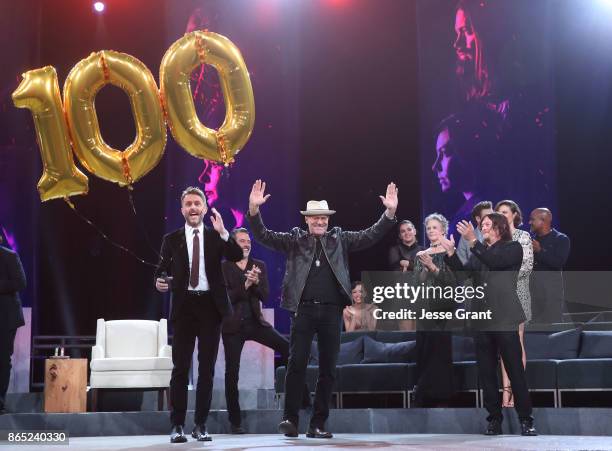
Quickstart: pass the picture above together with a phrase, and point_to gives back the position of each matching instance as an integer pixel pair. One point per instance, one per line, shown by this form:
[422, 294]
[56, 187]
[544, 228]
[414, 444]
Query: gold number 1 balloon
[133, 77]
[189, 52]
[39, 92]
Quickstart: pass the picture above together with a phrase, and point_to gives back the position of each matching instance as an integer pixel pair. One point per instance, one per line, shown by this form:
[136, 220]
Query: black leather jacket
[299, 247]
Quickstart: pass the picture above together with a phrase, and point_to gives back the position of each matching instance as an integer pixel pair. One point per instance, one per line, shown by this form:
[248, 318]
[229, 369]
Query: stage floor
[261, 442]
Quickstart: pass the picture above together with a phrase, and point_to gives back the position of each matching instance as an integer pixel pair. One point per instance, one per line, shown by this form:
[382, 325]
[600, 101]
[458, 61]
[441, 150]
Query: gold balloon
[39, 93]
[189, 52]
[133, 77]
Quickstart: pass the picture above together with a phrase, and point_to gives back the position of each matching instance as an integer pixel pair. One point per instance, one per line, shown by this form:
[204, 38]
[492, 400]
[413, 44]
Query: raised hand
[466, 229]
[217, 222]
[448, 245]
[257, 196]
[389, 200]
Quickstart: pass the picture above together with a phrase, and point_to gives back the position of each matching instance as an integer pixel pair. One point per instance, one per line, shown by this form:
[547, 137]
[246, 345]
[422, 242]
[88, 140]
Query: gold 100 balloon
[74, 124]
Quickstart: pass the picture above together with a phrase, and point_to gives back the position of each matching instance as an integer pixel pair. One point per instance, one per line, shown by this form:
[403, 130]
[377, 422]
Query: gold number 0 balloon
[39, 92]
[132, 76]
[194, 49]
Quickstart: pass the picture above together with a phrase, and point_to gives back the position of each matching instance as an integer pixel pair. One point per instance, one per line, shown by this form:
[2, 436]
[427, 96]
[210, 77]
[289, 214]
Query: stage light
[99, 7]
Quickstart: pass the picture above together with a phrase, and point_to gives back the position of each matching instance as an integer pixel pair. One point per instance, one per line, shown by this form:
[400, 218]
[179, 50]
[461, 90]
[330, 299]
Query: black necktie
[194, 277]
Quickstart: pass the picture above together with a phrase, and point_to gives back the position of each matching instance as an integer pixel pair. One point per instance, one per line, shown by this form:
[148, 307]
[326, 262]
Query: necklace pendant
[317, 263]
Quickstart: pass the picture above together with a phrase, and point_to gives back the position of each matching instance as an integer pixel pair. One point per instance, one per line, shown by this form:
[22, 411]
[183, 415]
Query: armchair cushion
[131, 338]
[131, 364]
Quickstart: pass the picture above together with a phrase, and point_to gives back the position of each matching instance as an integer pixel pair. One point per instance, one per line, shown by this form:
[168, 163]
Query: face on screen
[465, 38]
[450, 167]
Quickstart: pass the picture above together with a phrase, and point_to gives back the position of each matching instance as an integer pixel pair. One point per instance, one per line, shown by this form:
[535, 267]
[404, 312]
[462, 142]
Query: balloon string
[103, 235]
[105, 70]
[126, 171]
[163, 106]
[222, 148]
[141, 224]
[200, 49]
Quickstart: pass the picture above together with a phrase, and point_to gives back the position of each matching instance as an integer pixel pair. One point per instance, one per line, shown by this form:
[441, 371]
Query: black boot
[494, 427]
[527, 428]
[288, 428]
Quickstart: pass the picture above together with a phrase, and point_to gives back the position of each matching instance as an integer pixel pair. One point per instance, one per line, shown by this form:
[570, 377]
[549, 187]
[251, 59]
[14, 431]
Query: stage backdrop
[349, 95]
[487, 108]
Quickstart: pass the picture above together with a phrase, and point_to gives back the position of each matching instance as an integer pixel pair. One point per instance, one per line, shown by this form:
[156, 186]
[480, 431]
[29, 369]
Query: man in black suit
[494, 266]
[199, 302]
[12, 280]
[247, 286]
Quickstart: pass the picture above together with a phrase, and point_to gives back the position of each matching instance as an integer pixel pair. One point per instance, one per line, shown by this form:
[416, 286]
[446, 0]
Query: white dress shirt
[202, 279]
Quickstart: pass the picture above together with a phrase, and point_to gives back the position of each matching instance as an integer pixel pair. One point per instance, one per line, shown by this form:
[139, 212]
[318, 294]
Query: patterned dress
[522, 286]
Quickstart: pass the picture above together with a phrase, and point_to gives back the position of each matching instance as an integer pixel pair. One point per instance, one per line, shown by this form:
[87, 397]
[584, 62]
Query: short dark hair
[482, 205]
[193, 190]
[238, 230]
[500, 223]
[514, 208]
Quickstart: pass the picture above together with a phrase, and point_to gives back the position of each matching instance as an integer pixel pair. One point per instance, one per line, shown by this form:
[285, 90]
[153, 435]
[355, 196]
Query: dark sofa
[384, 362]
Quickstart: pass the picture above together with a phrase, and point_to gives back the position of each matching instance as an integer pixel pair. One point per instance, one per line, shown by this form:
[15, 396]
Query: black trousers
[434, 365]
[199, 318]
[233, 344]
[490, 345]
[7, 341]
[326, 322]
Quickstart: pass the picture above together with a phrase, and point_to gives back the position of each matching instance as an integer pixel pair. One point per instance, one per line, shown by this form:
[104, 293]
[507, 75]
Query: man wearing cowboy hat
[316, 288]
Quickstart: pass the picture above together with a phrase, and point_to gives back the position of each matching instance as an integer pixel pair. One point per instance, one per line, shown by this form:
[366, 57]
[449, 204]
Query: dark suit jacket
[241, 298]
[496, 269]
[174, 261]
[12, 280]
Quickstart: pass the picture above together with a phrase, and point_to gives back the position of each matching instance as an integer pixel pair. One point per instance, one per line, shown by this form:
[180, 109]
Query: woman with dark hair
[434, 361]
[513, 214]
[481, 33]
[494, 266]
[465, 142]
[360, 315]
[403, 254]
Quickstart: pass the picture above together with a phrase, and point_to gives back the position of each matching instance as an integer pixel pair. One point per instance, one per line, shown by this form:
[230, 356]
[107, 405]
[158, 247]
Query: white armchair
[131, 354]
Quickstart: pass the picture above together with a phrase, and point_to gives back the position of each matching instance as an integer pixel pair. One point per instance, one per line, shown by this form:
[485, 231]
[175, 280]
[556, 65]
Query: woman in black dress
[434, 385]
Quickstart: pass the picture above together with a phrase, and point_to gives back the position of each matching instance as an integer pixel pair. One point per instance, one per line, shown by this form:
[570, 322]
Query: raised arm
[278, 241]
[365, 238]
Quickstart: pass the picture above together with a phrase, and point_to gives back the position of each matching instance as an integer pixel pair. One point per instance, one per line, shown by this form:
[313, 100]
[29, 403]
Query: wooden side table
[65, 385]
